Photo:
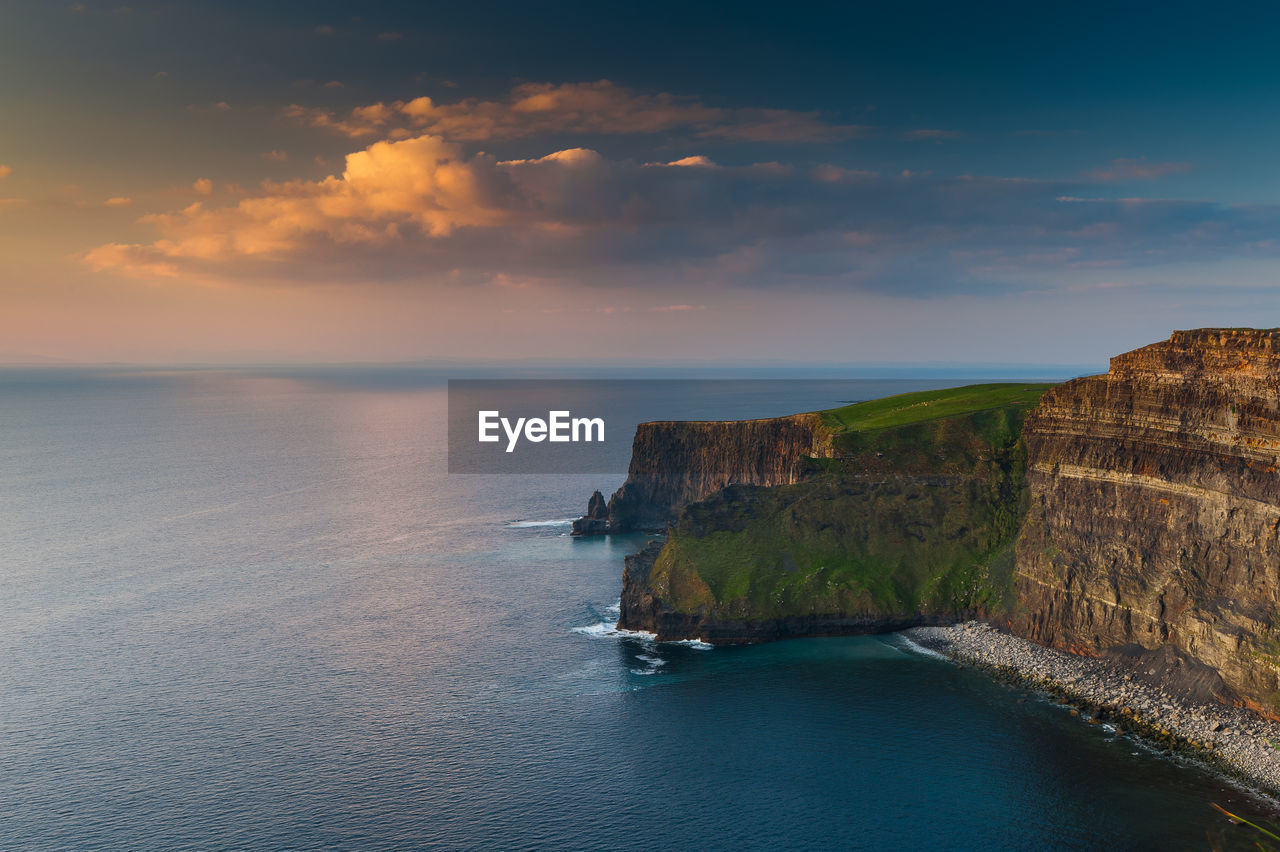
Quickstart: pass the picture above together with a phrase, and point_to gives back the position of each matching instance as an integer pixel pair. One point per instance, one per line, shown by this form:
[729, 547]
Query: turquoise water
[250, 610]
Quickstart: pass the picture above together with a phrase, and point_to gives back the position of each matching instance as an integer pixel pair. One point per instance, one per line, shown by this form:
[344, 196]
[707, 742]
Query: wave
[608, 626]
[915, 646]
[653, 663]
[559, 522]
[612, 630]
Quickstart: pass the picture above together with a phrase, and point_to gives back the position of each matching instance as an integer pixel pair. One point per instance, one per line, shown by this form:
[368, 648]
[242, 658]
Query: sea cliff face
[1154, 514]
[904, 526]
[1133, 515]
[676, 463]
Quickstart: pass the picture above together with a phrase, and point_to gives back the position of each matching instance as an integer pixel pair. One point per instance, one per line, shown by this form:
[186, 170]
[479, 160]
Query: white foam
[611, 629]
[525, 524]
[643, 671]
[655, 662]
[920, 649]
[608, 626]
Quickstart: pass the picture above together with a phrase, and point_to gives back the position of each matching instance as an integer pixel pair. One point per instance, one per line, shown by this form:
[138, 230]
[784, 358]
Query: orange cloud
[422, 183]
[600, 107]
[203, 186]
[5, 171]
[404, 197]
[117, 201]
[693, 161]
[130, 259]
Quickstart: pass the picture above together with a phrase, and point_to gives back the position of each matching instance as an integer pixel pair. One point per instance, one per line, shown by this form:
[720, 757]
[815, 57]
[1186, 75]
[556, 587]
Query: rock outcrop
[1154, 517]
[675, 463]
[596, 520]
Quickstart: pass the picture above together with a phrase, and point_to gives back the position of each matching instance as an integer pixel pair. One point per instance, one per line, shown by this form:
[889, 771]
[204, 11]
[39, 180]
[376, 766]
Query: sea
[250, 609]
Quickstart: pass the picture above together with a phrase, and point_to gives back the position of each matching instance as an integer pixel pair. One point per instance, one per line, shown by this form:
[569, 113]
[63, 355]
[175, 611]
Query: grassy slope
[908, 408]
[919, 514]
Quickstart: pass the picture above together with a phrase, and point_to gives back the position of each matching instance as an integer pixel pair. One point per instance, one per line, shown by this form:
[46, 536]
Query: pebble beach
[1233, 740]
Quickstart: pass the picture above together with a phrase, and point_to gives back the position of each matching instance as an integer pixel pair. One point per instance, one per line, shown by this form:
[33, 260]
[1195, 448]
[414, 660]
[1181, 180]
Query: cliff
[909, 519]
[1154, 516]
[676, 463]
[1133, 515]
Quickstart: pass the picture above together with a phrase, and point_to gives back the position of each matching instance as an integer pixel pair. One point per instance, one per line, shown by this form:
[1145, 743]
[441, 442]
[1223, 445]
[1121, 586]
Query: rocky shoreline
[1233, 740]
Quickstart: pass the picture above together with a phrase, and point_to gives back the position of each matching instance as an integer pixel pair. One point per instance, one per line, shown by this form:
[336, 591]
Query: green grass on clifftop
[909, 408]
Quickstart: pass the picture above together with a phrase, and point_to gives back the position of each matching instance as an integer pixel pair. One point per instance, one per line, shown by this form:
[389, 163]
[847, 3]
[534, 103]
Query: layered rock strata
[1154, 517]
[674, 463]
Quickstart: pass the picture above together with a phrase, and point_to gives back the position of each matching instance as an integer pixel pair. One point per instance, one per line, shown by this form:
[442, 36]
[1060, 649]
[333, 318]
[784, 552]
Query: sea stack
[596, 520]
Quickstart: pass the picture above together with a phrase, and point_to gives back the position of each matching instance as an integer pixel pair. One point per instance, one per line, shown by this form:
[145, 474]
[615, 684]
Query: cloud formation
[595, 108]
[422, 209]
[421, 182]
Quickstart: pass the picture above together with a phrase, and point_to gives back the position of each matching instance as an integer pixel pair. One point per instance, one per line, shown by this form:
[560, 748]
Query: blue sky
[805, 182]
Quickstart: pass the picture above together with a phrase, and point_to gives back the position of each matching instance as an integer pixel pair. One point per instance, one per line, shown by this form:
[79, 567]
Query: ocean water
[251, 610]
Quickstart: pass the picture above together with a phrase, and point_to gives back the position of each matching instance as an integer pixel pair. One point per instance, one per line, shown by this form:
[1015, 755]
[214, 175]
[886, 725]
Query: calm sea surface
[251, 610]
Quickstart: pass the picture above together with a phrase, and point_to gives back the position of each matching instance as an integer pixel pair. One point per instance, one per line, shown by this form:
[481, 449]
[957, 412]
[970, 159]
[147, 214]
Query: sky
[805, 183]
